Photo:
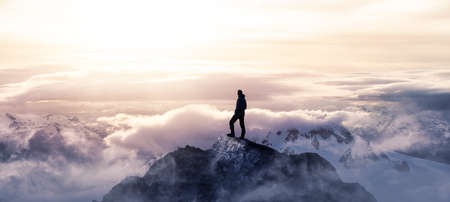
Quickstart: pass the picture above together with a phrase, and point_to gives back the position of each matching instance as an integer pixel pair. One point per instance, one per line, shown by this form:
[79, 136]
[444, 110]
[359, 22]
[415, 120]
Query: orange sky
[356, 35]
[85, 55]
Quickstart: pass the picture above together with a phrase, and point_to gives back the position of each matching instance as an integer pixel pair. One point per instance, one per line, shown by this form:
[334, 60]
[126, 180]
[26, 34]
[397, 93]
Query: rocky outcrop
[238, 170]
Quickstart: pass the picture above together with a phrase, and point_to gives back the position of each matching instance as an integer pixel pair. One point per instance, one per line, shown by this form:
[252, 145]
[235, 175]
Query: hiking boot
[230, 135]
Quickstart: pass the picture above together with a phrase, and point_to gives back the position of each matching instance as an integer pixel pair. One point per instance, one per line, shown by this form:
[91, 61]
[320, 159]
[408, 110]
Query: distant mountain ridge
[238, 170]
[335, 139]
[47, 137]
[380, 173]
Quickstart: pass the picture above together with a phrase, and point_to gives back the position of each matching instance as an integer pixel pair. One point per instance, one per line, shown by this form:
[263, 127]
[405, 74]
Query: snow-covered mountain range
[46, 157]
[54, 158]
[390, 176]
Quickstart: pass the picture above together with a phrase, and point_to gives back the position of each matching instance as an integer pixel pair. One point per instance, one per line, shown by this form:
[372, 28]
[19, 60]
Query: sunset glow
[321, 35]
[93, 91]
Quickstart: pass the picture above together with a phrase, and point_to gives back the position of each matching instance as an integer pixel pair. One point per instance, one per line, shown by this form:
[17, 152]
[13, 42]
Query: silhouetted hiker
[239, 113]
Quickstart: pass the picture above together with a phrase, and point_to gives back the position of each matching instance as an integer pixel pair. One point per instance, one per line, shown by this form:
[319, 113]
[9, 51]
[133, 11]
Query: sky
[170, 53]
[146, 77]
[354, 35]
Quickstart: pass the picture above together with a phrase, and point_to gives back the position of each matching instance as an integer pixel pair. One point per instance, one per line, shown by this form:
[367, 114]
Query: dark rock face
[238, 170]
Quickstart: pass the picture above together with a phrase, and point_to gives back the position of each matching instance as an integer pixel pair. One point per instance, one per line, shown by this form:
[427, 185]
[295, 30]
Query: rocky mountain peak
[237, 170]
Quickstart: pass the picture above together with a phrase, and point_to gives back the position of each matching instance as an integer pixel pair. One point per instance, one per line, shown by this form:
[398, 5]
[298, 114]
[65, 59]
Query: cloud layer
[126, 119]
[59, 158]
[200, 125]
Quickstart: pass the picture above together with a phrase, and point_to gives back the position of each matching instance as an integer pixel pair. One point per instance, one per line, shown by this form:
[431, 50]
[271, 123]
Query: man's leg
[241, 122]
[233, 119]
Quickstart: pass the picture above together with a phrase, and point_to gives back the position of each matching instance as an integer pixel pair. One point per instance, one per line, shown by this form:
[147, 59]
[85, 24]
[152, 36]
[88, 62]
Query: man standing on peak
[239, 113]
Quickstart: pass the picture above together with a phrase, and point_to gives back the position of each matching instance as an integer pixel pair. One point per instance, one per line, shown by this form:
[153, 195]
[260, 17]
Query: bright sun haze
[91, 91]
[128, 50]
[319, 35]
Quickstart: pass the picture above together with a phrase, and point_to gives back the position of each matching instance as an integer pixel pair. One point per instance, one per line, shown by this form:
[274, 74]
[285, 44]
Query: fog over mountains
[96, 95]
[59, 158]
[388, 132]
[390, 175]
[64, 158]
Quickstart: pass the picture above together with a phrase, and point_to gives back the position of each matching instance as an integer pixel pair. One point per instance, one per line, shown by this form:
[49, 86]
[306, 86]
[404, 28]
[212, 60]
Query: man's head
[239, 92]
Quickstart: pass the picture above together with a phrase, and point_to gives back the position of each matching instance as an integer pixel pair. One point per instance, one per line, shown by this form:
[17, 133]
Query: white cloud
[200, 125]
